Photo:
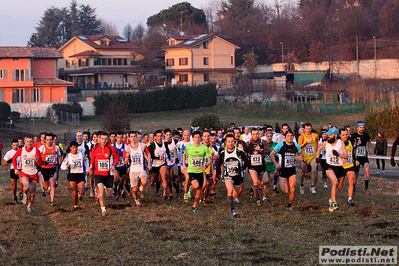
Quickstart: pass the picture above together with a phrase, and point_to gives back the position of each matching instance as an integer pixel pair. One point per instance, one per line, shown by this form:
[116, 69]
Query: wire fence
[61, 117]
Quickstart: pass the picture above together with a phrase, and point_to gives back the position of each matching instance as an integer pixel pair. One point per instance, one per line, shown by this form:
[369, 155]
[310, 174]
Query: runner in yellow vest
[308, 143]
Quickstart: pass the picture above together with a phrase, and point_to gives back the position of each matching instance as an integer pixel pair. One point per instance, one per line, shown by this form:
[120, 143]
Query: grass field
[169, 233]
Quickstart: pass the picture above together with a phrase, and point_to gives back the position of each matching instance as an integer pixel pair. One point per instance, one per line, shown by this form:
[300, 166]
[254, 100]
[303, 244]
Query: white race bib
[29, 162]
[50, 159]
[135, 160]
[309, 150]
[268, 159]
[289, 161]
[103, 165]
[196, 162]
[256, 159]
[333, 160]
[361, 151]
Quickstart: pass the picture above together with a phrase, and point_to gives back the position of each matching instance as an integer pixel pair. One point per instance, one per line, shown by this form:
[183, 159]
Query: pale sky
[18, 18]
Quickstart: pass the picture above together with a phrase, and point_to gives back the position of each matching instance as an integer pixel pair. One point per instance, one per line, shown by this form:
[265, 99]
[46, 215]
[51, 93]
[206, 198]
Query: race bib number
[256, 159]
[349, 160]
[289, 161]
[232, 169]
[18, 164]
[333, 160]
[50, 159]
[361, 151]
[103, 165]
[135, 160]
[121, 161]
[76, 163]
[196, 162]
[29, 162]
[268, 159]
[323, 153]
[309, 150]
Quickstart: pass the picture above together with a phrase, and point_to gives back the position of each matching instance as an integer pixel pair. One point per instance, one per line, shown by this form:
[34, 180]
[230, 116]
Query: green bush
[384, 118]
[207, 121]
[166, 99]
[15, 115]
[5, 111]
[68, 107]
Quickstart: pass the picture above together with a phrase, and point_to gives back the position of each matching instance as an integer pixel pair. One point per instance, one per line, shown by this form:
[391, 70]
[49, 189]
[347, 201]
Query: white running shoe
[236, 200]
[313, 190]
[25, 199]
[325, 185]
[378, 171]
[302, 189]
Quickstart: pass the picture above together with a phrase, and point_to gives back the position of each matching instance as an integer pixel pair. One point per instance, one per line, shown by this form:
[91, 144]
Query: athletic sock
[366, 184]
[230, 200]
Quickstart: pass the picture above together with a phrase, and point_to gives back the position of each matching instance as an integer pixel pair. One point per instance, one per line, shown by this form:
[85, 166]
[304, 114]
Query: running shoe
[21, 195]
[258, 203]
[185, 198]
[165, 197]
[29, 209]
[44, 193]
[234, 213]
[289, 208]
[25, 199]
[116, 198]
[190, 194]
[383, 172]
[325, 185]
[351, 202]
[302, 190]
[251, 193]
[333, 206]
[138, 204]
[194, 209]
[265, 200]
[52, 203]
[80, 197]
[56, 184]
[91, 195]
[367, 192]
[313, 190]
[104, 213]
[236, 200]
[15, 201]
[142, 197]
[378, 171]
[275, 191]
[114, 190]
[201, 199]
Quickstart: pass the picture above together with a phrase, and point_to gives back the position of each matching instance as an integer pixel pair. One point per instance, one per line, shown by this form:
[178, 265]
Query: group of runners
[191, 163]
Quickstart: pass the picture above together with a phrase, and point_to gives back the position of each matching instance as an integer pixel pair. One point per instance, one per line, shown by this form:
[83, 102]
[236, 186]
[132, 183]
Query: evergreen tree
[89, 24]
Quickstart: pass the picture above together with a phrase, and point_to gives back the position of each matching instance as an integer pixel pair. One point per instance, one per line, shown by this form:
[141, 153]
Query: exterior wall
[9, 65]
[46, 94]
[74, 47]
[380, 69]
[221, 54]
[44, 68]
[176, 54]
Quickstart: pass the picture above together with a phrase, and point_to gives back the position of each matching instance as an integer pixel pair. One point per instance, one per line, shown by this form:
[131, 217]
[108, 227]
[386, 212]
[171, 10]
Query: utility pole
[282, 52]
[375, 57]
[357, 53]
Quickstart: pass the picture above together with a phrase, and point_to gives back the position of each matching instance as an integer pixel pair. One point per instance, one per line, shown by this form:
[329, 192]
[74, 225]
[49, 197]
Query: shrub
[207, 121]
[385, 118]
[15, 115]
[68, 107]
[115, 118]
[5, 111]
[166, 99]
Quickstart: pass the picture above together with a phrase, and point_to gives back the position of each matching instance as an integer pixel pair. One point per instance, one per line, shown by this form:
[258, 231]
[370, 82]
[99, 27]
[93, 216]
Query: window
[206, 61]
[103, 42]
[125, 61]
[17, 96]
[80, 62]
[15, 59]
[114, 61]
[2, 95]
[109, 61]
[19, 75]
[172, 43]
[183, 61]
[232, 60]
[67, 65]
[183, 77]
[34, 95]
[205, 45]
[1, 74]
[170, 62]
[206, 77]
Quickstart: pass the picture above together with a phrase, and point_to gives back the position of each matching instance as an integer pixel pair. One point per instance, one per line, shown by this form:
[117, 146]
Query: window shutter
[27, 75]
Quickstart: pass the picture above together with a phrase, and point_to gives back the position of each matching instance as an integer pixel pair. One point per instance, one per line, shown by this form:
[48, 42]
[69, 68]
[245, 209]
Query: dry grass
[160, 231]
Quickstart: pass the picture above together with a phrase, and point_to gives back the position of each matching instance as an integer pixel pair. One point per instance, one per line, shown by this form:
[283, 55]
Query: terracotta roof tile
[46, 52]
[86, 53]
[16, 52]
[51, 81]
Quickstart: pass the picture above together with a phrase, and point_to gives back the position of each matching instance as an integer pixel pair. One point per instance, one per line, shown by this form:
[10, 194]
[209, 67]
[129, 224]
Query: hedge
[5, 111]
[68, 107]
[166, 99]
[385, 118]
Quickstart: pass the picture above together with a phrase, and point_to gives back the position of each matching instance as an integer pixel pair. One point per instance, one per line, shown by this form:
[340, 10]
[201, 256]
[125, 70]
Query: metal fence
[61, 117]
[345, 108]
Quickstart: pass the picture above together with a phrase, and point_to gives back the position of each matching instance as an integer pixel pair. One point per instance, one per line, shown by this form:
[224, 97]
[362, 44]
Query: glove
[393, 162]
[318, 160]
[335, 153]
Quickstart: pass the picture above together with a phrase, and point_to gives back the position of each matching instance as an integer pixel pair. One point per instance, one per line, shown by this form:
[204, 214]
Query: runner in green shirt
[196, 154]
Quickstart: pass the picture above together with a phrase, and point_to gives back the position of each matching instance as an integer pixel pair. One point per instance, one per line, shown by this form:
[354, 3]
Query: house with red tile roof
[199, 59]
[98, 61]
[29, 79]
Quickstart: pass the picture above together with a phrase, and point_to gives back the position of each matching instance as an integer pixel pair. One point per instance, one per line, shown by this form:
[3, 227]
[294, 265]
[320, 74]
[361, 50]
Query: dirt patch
[382, 225]
[311, 208]
[366, 212]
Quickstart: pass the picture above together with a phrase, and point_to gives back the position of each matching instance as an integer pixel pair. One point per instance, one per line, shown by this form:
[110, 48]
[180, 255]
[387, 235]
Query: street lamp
[375, 57]
[282, 52]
